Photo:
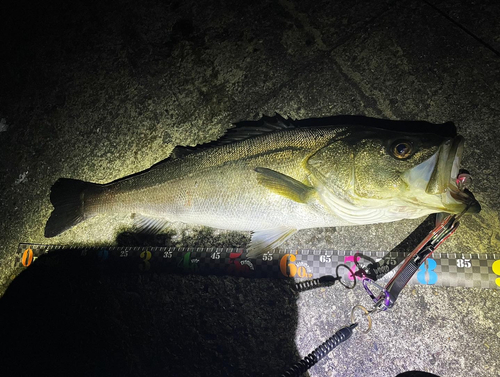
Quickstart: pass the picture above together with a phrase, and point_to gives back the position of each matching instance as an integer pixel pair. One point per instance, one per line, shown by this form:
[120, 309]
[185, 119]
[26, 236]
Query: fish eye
[402, 149]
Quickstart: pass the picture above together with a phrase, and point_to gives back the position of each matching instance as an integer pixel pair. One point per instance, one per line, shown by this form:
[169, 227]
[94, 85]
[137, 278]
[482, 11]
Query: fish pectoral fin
[284, 185]
[264, 241]
[149, 224]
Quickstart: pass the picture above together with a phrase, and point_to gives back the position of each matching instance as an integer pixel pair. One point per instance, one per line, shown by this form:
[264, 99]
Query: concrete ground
[99, 90]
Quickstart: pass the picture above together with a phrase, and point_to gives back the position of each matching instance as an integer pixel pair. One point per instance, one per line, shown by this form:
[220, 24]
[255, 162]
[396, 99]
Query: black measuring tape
[454, 270]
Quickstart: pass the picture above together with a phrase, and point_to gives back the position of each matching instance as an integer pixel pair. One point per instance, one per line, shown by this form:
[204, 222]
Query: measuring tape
[452, 270]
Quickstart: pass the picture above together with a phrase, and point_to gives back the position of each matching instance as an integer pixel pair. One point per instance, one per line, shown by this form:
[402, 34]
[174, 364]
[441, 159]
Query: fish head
[377, 167]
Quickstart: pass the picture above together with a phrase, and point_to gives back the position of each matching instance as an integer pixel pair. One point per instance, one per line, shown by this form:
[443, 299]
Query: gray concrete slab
[100, 91]
[479, 20]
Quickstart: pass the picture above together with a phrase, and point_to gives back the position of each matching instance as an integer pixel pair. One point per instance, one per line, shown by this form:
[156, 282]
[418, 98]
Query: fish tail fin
[67, 196]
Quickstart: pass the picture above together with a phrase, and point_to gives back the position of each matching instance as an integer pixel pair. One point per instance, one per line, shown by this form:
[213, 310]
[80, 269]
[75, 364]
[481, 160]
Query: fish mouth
[443, 179]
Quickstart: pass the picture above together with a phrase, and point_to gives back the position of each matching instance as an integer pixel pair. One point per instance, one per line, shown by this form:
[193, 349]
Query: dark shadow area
[68, 315]
[63, 316]
[199, 237]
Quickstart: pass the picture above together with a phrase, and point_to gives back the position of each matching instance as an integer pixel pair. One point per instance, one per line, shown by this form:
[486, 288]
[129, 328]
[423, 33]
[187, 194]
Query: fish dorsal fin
[241, 131]
[248, 129]
[179, 152]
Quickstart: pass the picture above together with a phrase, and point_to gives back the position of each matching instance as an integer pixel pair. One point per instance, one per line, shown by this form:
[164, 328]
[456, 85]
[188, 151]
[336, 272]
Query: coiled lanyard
[386, 296]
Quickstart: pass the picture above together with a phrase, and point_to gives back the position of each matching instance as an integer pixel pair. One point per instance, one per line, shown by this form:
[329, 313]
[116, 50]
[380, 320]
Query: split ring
[367, 314]
[351, 284]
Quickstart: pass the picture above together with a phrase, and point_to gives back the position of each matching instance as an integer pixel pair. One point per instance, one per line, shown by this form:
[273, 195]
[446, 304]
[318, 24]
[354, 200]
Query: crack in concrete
[463, 28]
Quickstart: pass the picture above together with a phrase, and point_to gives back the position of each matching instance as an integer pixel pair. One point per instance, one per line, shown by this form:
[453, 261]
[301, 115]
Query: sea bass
[277, 177]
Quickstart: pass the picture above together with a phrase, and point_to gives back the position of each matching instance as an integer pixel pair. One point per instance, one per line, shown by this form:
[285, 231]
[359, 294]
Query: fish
[278, 176]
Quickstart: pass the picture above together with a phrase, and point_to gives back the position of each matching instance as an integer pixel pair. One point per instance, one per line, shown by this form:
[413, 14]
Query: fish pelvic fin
[264, 241]
[284, 185]
[67, 197]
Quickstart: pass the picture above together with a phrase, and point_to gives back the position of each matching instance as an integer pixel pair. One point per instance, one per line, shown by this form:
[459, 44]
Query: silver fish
[277, 178]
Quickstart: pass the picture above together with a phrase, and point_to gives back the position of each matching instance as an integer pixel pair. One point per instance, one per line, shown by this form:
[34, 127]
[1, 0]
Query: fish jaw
[433, 183]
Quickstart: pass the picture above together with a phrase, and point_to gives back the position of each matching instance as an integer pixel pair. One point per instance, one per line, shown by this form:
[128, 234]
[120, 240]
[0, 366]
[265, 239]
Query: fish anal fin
[149, 224]
[284, 185]
[266, 240]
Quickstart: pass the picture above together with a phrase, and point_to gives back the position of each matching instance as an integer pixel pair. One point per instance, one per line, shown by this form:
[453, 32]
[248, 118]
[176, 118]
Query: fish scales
[214, 187]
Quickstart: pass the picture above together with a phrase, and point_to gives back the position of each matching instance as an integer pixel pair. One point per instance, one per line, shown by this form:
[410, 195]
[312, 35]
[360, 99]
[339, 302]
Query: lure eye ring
[402, 149]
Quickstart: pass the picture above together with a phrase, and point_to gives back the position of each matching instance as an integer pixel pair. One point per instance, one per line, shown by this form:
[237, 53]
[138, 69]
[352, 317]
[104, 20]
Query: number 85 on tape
[426, 274]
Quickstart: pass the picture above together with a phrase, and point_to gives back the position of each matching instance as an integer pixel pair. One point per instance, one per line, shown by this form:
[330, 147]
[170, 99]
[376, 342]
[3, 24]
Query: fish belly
[225, 197]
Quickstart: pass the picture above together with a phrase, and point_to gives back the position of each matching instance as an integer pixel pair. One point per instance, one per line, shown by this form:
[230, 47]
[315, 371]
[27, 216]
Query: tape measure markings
[444, 269]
